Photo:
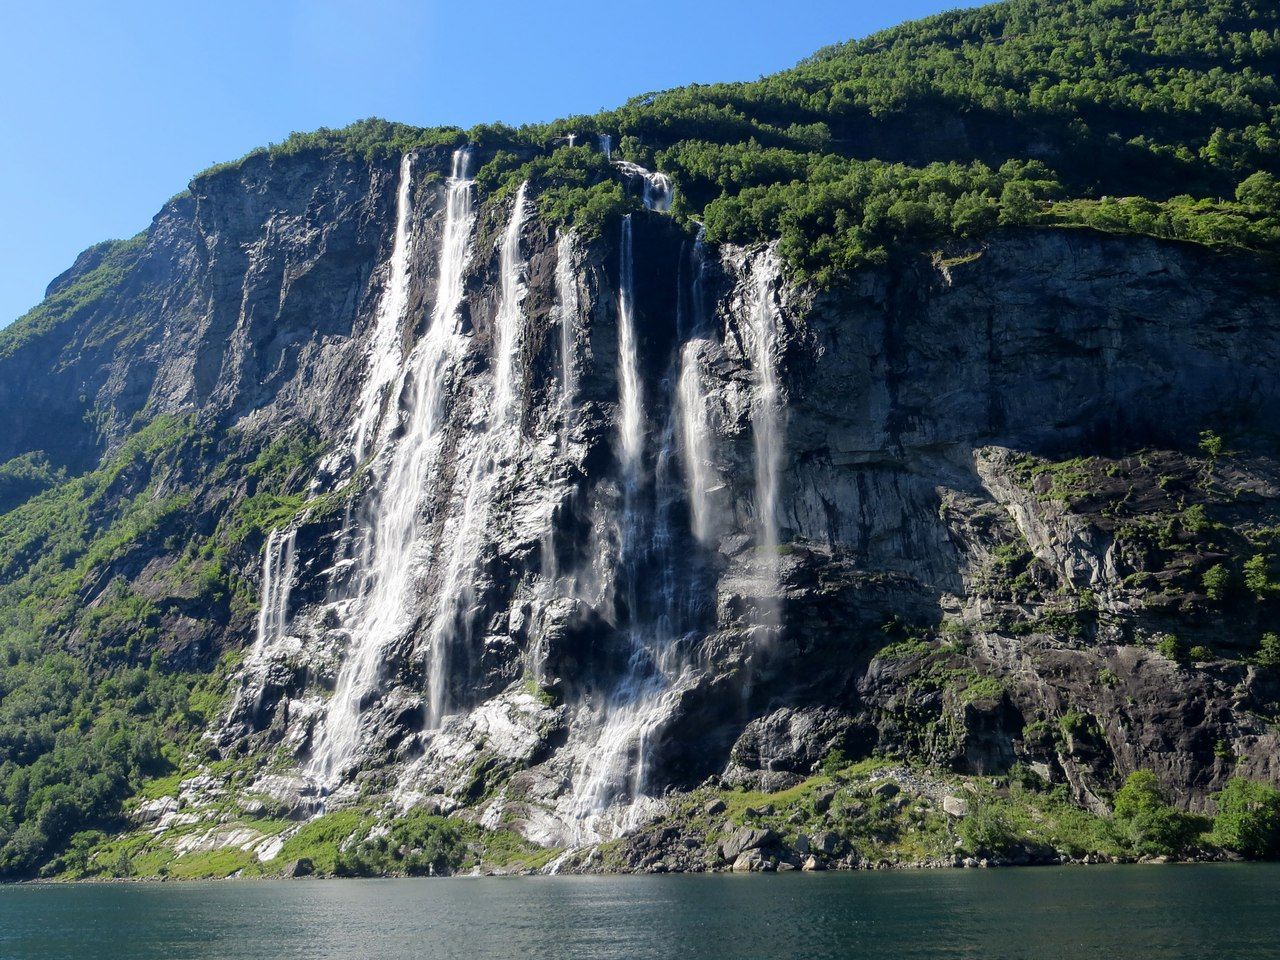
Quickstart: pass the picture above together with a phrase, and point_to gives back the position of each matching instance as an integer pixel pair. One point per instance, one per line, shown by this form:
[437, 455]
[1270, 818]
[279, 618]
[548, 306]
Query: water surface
[1158, 912]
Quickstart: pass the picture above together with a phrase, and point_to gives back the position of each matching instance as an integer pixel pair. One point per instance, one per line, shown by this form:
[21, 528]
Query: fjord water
[1074, 913]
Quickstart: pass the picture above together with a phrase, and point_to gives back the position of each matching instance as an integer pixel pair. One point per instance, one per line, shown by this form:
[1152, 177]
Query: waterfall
[606, 146]
[658, 193]
[389, 564]
[695, 441]
[661, 609]
[631, 398]
[766, 426]
[621, 720]
[695, 429]
[497, 447]
[277, 581]
[566, 311]
[384, 358]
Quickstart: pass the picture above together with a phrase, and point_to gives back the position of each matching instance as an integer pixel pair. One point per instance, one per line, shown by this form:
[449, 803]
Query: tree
[1260, 190]
[1150, 824]
[1248, 820]
[1017, 205]
[1257, 578]
[1216, 580]
[1269, 650]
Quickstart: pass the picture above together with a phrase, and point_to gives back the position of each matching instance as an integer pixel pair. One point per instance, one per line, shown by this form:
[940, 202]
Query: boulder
[746, 838]
[302, 867]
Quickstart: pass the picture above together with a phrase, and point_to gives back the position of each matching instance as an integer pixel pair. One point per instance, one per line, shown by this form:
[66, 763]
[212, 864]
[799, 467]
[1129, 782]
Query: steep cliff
[369, 499]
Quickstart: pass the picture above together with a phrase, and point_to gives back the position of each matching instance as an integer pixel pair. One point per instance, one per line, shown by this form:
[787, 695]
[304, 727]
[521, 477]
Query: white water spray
[385, 347]
[658, 192]
[767, 427]
[277, 581]
[695, 427]
[606, 146]
[389, 564]
[567, 307]
[631, 399]
[496, 448]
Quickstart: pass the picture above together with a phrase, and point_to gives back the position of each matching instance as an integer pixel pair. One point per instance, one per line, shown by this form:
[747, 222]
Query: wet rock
[753, 861]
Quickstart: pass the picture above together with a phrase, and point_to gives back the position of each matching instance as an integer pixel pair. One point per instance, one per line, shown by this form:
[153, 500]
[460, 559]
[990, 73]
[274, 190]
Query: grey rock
[746, 838]
[302, 867]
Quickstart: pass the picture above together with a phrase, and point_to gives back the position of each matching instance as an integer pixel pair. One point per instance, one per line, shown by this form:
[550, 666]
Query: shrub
[1171, 647]
[1149, 823]
[1210, 443]
[987, 831]
[1269, 650]
[1248, 819]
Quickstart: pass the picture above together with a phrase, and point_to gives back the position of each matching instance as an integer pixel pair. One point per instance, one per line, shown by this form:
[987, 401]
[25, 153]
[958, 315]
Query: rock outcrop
[985, 467]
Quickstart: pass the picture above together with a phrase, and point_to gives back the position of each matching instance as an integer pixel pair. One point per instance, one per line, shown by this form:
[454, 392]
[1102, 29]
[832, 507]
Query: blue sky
[108, 108]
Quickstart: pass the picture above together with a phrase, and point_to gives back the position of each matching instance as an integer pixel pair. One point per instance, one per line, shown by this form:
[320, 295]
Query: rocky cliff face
[664, 518]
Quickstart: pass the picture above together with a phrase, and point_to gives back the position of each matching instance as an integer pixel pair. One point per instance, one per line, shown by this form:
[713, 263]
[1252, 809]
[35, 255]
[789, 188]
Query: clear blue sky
[108, 108]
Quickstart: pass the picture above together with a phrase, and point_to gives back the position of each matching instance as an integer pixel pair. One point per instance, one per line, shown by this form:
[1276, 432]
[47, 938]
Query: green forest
[1159, 117]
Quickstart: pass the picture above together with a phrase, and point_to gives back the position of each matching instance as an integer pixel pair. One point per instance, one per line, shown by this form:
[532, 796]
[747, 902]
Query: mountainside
[892, 478]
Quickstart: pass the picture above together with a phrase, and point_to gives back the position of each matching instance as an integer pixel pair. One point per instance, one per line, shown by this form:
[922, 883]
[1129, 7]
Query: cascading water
[496, 448]
[767, 427]
[695, 427]
[389, 563]
[631, 393]
[277, 581]
[655, 609]
[658, 192]
[567, 307]
[385, 348]
[606, 146]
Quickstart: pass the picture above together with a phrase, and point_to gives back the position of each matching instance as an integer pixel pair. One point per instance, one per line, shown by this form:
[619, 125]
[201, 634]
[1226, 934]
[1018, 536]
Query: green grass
[320, 839]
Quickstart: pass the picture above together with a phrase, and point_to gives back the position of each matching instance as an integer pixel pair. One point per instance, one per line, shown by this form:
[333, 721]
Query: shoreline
[779, 870]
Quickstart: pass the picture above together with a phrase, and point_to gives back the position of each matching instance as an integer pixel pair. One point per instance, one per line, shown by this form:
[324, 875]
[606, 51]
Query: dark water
[1098, 913]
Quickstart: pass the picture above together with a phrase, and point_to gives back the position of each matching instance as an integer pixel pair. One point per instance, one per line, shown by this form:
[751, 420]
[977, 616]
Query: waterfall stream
[567, 307]
[385, 348]
[695, 427]
[496, 448]
[464, 427]
[389, 562]
[656, 608]
[277, 581]
[658, 194]
[766, 426]
[631, 393]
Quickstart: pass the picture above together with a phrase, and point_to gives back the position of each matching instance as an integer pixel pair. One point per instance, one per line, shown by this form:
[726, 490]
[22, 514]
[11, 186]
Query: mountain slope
[474, 495]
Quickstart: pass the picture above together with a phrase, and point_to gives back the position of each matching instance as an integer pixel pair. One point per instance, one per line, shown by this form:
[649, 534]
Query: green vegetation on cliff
[91, 702]
[1157, 117]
